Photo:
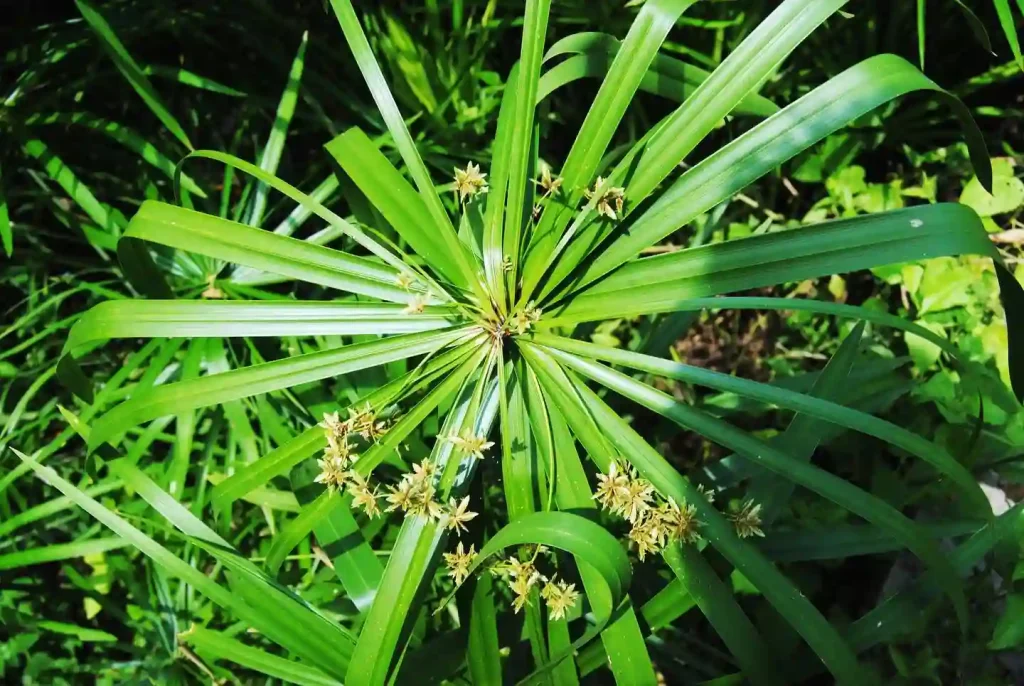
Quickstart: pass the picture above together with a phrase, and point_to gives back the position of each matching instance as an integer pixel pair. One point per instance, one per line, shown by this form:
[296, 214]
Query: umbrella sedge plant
[481, 293]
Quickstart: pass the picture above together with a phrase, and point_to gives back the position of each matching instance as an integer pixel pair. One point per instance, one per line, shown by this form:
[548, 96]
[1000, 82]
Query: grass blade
[219, 646]
[271, 156]
[585, 413]
[131, 70]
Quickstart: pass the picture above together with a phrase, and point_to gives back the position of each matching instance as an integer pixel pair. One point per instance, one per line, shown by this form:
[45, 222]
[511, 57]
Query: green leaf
[1009, 25]
[238, 318]
[839, 491]
[6, 237]
[219, 646]
[403, 140]
[1007, 191]
[663, 283]
[841, 100]
[130, 70]
[535, 25]
[108, 220]
[593, 53]
[60, 551]
[627, 71]
[263, 378]
[593, 423]
[715, 600]
[184, 229]
[121, 134]
[271, 156]
[483, 654]
[300, 527]
[188, 78]
[623, 642]
[805, 404]
[414, 556]
[396, 200]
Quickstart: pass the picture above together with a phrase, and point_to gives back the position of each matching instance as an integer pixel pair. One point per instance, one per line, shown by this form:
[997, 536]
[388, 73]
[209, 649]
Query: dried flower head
[416, 305]
[469, 182]
[362, 495]
[332, 472]
[747, 520]
[333, 425]
[608, 201]
[550, 184]
[612, 487]
[679, 522]
[458, 563]
[414, 494]
[472, 444]
[648, 535]
[560, 597]
[457, 515]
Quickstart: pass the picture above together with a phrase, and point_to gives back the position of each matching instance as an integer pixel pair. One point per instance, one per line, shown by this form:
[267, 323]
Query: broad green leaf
[484, 651]
[271, 157]
[586, 414]
[130, 70]
[715, 600]
[535, 26]
[662, 283]
[263, 378]
[623, 642]
[219, 646]
[236, 318]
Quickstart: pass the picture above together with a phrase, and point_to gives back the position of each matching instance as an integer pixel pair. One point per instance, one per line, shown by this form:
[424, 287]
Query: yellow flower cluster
[415, 495]
[656, 522]
[522, 577]
[339, 456]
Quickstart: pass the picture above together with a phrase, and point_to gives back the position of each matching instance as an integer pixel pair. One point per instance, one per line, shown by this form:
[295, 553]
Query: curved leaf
[824, 110]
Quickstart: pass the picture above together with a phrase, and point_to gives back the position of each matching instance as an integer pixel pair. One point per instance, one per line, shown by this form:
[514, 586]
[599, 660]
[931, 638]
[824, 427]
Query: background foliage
[102, 100]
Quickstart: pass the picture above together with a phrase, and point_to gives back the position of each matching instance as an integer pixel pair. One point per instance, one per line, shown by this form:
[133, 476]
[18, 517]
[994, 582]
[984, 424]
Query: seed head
[416, 305]
[457, 515]
[560, 597]
[551, 185]
[649, 536]
[608, 201]
[747, 520]
[469, 182]
[472, 444]
[362, 495]
[332, 472]
[458, 563]
[680, 523]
